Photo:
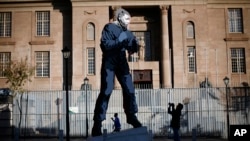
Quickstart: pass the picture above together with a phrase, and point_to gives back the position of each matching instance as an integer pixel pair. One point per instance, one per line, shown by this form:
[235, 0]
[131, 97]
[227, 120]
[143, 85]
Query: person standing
[115, 41]
[117, 124]
[175, 122]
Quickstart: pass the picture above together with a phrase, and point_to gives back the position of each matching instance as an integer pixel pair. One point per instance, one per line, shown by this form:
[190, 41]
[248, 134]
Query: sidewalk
[190, 139]
[154, 139]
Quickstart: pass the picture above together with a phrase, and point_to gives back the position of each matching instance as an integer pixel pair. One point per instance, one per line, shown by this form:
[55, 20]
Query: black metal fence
[42, 113]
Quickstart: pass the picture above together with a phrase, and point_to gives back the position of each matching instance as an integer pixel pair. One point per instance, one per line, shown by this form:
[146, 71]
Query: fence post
[193, 134]
[60, 135]
[105, 134]
[16, 134]
[151, 135]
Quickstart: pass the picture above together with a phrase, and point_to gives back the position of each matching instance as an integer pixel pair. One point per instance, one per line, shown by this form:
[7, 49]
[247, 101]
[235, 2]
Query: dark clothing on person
[110, 45]
[117, 124]
[176, 134]
[175, 122]
[114, 63]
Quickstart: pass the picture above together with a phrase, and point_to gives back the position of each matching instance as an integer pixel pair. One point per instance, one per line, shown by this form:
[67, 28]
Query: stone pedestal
[134, 134]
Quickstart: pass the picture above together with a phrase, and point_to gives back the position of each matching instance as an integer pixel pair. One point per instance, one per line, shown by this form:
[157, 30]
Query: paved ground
[82, 139]
[190, 139]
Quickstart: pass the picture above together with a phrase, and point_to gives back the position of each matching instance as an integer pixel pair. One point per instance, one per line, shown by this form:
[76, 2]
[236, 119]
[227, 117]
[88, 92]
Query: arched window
[90, 31]
[190, 30]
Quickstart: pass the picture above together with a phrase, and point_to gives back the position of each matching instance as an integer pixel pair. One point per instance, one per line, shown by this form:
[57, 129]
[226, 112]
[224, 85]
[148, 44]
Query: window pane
[235, 20]
[43, 23]
[190, 30]
[91, 60]
[42, 64]
[240, 98]
[90, 31]
[238, 60]
[5, 24]
[4, 62]
[191, 59]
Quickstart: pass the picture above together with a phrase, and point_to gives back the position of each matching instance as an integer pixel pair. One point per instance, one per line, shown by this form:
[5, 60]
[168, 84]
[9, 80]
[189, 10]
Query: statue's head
[123, 17]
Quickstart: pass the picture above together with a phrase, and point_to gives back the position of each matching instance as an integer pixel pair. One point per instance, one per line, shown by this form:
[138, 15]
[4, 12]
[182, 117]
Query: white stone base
[134, 134]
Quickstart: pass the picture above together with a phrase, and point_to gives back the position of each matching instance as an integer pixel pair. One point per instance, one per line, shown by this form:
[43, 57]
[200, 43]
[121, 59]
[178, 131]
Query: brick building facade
[182, 41]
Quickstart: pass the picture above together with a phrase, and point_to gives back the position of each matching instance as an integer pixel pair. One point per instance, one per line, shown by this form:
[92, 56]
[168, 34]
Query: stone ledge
[7, 43]
[237, 39]
[45, 42]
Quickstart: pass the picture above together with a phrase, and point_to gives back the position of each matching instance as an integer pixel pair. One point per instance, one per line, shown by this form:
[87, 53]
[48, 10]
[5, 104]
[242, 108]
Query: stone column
[166, 65]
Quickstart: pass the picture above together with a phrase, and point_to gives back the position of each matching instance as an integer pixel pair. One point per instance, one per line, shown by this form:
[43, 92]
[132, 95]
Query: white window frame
[191, 59]
[42, 63]
[235, 22]
[43, 23]
[5, 59]
[91, 60]
[238, 60]
[5, 24]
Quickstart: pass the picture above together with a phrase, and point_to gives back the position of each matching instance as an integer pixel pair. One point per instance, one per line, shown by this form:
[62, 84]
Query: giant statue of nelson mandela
[115, 40]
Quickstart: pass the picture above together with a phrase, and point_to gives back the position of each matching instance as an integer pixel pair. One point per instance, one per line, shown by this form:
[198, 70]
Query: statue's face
[124, 20]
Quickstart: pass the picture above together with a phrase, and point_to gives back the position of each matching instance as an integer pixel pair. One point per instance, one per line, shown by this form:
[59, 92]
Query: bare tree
[18, 73]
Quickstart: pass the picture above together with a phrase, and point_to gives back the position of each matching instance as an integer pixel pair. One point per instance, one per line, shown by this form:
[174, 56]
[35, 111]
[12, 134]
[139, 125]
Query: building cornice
[33, 3]
[76, 3]
[134, 2]
[228, 2]
[146, 1]
[18, 1]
